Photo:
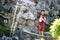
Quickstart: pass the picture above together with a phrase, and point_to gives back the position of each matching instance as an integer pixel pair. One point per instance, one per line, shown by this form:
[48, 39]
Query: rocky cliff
[28, 12]
[25, 13]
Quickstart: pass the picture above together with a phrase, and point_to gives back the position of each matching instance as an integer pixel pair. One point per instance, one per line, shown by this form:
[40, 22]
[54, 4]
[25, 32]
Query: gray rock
[28, 15]
[28, 12]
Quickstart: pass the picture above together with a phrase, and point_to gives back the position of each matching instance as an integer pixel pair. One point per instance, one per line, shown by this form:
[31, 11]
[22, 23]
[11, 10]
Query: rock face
[26, 12]
[33, 7]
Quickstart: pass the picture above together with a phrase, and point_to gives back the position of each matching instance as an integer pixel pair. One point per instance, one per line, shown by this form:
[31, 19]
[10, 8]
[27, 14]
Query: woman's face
[42, 13]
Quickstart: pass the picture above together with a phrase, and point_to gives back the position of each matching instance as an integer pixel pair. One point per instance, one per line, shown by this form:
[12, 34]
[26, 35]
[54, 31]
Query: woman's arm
[44, 19]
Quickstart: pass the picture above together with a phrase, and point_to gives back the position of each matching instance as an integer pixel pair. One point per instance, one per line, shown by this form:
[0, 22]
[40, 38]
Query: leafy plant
[58, 37]
[4, 29]
[55, 28]
[47, 28]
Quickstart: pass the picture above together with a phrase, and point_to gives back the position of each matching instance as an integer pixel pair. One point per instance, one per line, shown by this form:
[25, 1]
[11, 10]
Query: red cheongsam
[41, 24]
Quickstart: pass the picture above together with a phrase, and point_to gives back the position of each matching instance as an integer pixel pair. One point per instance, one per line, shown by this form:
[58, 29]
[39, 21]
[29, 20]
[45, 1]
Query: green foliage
[55, 28]
[58, 37]
[4, 29]
[47, 28]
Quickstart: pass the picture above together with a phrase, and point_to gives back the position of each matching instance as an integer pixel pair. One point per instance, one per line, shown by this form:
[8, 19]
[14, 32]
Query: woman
[42, 20]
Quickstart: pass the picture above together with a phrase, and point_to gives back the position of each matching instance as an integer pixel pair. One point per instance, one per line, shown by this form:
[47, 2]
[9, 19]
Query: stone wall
[25, 13]
[29, 11]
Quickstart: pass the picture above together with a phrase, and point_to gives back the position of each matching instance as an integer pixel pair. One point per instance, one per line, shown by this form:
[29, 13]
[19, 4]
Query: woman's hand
[44, 19]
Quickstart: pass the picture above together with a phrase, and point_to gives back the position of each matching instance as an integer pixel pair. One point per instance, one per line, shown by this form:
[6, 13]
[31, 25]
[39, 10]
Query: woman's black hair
[42, 10]
[40, 13]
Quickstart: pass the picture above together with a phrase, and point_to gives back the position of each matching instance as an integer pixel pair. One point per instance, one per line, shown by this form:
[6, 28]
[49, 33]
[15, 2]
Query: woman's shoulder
[42, 16]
